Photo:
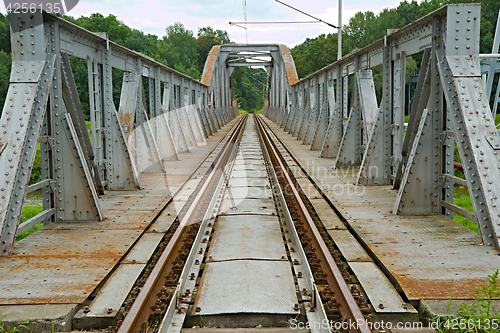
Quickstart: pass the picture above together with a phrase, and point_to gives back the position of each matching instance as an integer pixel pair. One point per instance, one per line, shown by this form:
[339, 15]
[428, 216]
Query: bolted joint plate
[26, 71]
[464, 66]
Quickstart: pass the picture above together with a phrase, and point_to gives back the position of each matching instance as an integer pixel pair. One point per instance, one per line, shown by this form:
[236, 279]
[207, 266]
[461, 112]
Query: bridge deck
[431, 257]
[64, 262]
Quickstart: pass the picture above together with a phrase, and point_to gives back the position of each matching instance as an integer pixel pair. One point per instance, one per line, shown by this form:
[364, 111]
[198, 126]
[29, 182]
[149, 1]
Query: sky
[152, 16]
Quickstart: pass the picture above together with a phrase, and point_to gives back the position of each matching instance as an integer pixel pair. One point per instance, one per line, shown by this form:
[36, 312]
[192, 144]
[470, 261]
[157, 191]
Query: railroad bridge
[185, 213]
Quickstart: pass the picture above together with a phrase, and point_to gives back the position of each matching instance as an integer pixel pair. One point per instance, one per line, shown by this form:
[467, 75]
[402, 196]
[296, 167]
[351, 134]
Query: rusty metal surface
[327, 216]
[351, 250]
[379, 289]
[256, 287]
[247, 237]
[210, 63]
[291, 72]
[114, 292]
[61, 265]
[423, 253]
[64, 262]
[134, 201]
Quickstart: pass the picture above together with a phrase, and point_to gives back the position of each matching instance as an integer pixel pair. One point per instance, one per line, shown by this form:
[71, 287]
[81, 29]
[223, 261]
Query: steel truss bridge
[334, 111]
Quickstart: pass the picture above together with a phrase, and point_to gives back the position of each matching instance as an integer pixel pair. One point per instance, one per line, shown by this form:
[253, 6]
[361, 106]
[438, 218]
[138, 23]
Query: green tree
[179, 50]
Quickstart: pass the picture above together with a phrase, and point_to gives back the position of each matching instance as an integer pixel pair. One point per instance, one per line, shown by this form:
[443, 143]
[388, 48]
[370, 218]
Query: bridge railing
[43, 111]
[449, 111]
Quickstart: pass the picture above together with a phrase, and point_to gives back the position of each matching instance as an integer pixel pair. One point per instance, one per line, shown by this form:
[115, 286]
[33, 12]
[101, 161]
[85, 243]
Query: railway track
[246, 250]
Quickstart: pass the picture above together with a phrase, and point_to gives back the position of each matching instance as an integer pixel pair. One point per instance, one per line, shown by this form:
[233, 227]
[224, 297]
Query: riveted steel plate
[243, 182]
[61, 266]
[326, 214]
[143, 249]
[167, 217]
[251, 192]
[297, 172]
[115, 291]
[134, 202]
[247, 237]
[248, 206]
[113, 220]
[349, 246]
[379, 289]
[308, 188]
[26, 71]
[423, 253]
[184, 193]
[247, 286]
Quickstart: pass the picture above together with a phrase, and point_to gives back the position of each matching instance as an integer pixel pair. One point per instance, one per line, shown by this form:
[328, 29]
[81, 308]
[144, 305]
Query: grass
[475, 316]
[14, 329]
[462, 199]
[27, 213]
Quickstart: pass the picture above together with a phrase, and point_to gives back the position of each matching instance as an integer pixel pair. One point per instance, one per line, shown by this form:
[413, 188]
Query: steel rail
[349, 308]
[131, 322]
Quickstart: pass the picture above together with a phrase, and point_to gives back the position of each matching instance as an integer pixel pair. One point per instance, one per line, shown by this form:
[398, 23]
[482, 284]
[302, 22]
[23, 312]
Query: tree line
[179, 49]
[186, 52]
[367, 27]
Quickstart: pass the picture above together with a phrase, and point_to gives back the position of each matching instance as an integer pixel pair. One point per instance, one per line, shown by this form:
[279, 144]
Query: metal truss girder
[20, 124]
[74, 108]
[182, 113]
[177, 132]
[128, 102]
[367, 100]
[375, 167]
[398, 110]
[80, 196]
[422, 93]
[164, 138]
[416, 192]
[305, 115]
[134, 120]
[75, 196]
[313, 114]
[478, 144]
[333, 136]
[421, 186]
[194, 121]
[121, 173]
[323, 118]
[350, 152]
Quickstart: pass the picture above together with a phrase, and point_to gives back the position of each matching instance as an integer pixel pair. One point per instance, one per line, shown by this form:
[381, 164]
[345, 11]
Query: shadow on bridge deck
[63, 263]
[431, 257]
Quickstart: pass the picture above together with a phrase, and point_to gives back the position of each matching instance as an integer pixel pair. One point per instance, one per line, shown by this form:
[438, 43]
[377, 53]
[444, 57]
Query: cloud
[153, 16]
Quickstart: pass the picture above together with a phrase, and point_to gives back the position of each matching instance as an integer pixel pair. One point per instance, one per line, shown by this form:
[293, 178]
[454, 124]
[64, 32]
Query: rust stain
[418, 289]
[127, 122]
[210, 63]
[291, 71]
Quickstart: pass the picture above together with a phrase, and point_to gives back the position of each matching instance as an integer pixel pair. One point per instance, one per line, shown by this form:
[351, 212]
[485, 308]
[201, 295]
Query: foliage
[36, 172]
[476, 316]
[249, 87]
[461, 197]
[28, 212]
[15, 329]
[367, 27]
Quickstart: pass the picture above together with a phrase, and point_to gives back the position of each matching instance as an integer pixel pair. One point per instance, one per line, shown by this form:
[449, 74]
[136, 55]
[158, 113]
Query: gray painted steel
[450, 104]
[75, 168]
